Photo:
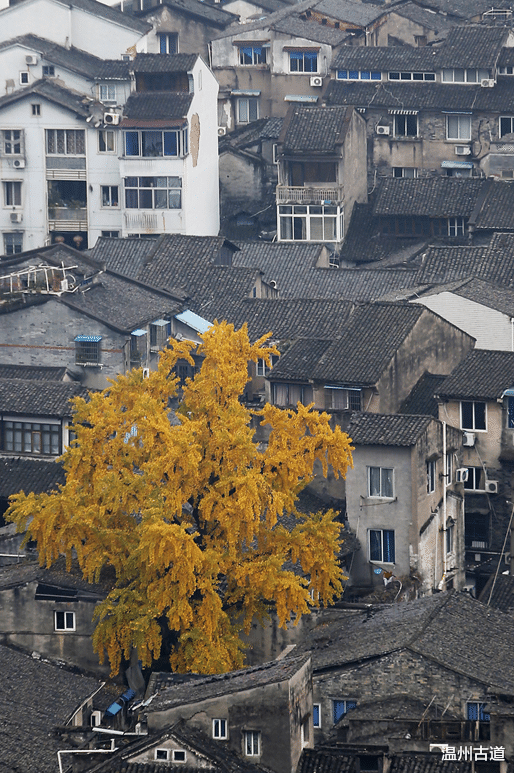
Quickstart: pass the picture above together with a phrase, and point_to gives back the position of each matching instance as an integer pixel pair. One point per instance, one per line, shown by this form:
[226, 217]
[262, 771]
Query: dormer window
[107, 92]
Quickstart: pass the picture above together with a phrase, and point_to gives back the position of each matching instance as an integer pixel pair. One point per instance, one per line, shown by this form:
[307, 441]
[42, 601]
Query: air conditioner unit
[30, 59]
[491, 486]
[462, 150]
[468, 439]
[461, 475]
[16, 217]
[316, 81]
[111, 118]
[383, 129]
[487, 83]
[19, 163]
[146, 372]
[222, 130]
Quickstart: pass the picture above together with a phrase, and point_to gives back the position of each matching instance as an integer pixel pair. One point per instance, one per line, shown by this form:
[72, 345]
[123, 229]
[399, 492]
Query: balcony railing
[309, 195]
[67, 218]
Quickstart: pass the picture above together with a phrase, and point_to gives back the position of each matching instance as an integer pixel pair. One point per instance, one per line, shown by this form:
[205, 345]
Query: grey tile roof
[473, 45]
[113, 69]
[124, 256]
[447, 264]
[311, 29]
[163, 62]
[464, 9]
[112, 14]
[334, 759]
[488, 294]
[301, 359]
[428, 197]
[451, 629]
[222, 684]
[48, 88]
[385, 58]
[497, 210]
[361, 14]
[482, 375]
[417, 762]
[157, 106]
[38, 398]
[315, 129]
[326, 760]
[252, 133]
[437, 22]
[210, 14]
[375, 429]
[506, 57]
[18, 474]
[423, 96]
[421, 400]
[267, 21]
[35, 697]
[499, 593]
[38, 372]
[71, 58]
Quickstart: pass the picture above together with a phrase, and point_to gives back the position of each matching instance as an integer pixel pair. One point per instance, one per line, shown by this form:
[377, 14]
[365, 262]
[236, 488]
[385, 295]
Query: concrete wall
[193, 35]
[353, 173]
[487, 442]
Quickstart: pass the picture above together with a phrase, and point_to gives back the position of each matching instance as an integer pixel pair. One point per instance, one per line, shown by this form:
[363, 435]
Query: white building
[92, 146]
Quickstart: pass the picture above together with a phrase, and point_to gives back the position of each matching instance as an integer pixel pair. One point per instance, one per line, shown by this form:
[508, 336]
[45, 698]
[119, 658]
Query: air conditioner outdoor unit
[19, 163]
[111, 118]
[146, 372]
[468, 439]
[491, 486]
[222, 130]
[462, 150]
[316, 81]
[383, 129]
[487, 83]
[461, 475]
[31, 59]
[16, 217]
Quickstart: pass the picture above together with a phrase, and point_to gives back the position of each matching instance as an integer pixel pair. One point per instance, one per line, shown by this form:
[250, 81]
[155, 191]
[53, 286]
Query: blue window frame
[355, 75]
[341, 707]
[510, 409]
[316, 715]
[476, 711]
[303, 61]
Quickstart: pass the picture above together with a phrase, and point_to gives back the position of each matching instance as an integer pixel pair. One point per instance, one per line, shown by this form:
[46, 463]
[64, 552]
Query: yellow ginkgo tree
[183, 511]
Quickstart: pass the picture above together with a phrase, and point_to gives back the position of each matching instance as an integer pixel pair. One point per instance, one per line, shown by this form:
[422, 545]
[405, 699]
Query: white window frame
[397, 131]
[165, 755]
[68, 626]
[173, 193]
[431, 476]
[302, 70]
[318, 706]
[252, 743]
[456, 226]
[75, 133]
[463, 133]
[450, 539]
[464, 75]
[12, 142]
[166, 38]
[259, 54]
[174, 757]
[400, 171]
[474, 472]
[248, 109]
[12, 241]
[329, 218]
[449, 468]
[383, 482]
[12, 192]
[107, 93]
[359, 75]
[107, 139]
[24, 77]
[261, 369]
[108, 189]
[220, 729]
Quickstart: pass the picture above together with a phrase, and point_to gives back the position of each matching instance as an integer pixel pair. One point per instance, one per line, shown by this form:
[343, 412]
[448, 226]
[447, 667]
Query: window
[152, 144]
[160, 331]
[64, 621]
[106, 141]
[12, 194]
[405, 125]
[107, 92]
[252, 743]
[32, 438]
[456, 226]
[477, 711]
[381, 545]
[66, 142]
[12, 140]
[24, 78]
[412, 76]
[380, 482]
[316, 714]
[431, 470]
[405, 171]
[359, 75]
[262, 368]
[168, 42]
[473, 415]
[310, 222]
[162, 754]
[341, 707]
[449, 468]
[342, 399]
[303, 61]
[249, 55]
[36, 109]
[476, 479]
[305, 732]
[219, 729]
[153, 192]
[506, 70]
[510, 412]
[460, 75]
[288, 394]
[178, 755]
[111, 234]
[110, 196]
[458, 127]
[506, 125]
[48, 71]
[87, 350]
[247, 109]
[449, 538]
[13, 243]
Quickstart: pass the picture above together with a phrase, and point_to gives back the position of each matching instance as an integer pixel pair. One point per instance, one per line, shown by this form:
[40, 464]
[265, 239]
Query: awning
[88, 339]
[456, 165]
[299, 98]
[194, 321]
[139, 332]
[401, 111]
[245, 93]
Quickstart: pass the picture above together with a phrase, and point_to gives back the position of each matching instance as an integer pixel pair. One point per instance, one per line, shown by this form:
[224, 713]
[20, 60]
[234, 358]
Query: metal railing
[304, 195]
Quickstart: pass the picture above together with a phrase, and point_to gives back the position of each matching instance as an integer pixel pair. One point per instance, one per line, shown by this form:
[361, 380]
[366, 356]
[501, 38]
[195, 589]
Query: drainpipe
[445, 482]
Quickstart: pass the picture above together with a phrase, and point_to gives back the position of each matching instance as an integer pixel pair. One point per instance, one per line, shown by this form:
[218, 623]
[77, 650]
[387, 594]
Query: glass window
[153, 192]
[12, 194]
[48, 71]
[36, 109]
[153, 143]
[478, 711]
[62, 142]
[107, 92]
[340, 707]
[316, 715]
[405, 125]
[247, 109]
[476, 479]
[303, 61]
[405, 171]
[106, 141]
[506, 125]
[249, 55]
[431, 472]
[252, 743]
[12, 142]
[381, 545]
[87, 350]
[64, 621]
[32, 438]
[458, 127]
[110, 196]
[168, 42]
[380, 482]
[473, 415]
[13, 243]
[219, 728]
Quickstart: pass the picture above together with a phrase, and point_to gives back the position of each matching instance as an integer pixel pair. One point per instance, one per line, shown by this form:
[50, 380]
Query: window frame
[460, 136]
[67, 616]
[391, 543]
[299, 218]
[258, 55]
[85, 346]
[45, 437]
[220, 729]
[48, 71]
[384, 483]
[36, 108]
[288, 386]
[359, 75]
[13, 242]
[12, 192]
[475, 474]
[406, 75]
[348, 705]
[473, 422]
[147, 195]
[407, 130]
[249, 107]
[75, 137]
[450, 539]
[107, 93]
[303, 57]
[316, 709]
[261, 369]
[113, 200]
[106, 141]
[481, 715]
[403, 169]
[164, 42]
[12, 141]
[431, 466]
[179, 138]
[469, 75]
[252, 743]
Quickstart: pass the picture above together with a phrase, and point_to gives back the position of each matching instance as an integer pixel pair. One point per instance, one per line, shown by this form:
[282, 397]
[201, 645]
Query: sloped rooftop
[369, 429]
[482, 375]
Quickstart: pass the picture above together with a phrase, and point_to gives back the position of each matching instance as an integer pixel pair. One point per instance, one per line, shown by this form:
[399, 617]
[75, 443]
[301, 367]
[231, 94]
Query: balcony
[67, 218]
[326, 194]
